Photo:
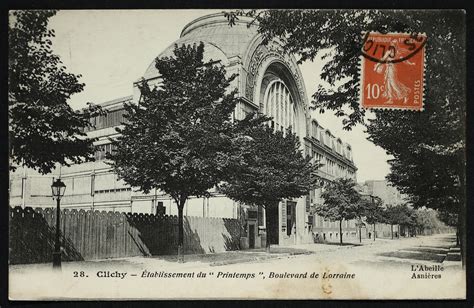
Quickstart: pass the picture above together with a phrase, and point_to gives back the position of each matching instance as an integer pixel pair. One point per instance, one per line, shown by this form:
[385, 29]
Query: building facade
[389, 196]
[269, 80]
[382, 189]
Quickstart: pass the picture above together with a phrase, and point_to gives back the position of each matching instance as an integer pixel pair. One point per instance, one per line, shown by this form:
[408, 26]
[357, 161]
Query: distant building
[383, 190]
[389, 196]
[269, 81]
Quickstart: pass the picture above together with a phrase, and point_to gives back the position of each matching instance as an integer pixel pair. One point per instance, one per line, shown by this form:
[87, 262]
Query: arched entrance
[279, 98]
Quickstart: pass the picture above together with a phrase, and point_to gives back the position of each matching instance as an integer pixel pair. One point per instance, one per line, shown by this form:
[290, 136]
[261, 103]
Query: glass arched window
[315, 129]
[339, 146]
[349, 153]
[279, 104]
[327, 140]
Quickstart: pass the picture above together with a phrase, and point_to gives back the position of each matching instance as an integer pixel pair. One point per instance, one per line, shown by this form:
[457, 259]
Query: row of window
[318, 236]
[331, 167]
[320, 222]
[325, 137]
[108, 191]
[110, 119]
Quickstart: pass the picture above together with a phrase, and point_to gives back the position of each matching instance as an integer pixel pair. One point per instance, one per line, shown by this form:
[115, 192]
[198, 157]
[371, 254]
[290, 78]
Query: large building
[390, 196]
[269, 80]
[386, 192]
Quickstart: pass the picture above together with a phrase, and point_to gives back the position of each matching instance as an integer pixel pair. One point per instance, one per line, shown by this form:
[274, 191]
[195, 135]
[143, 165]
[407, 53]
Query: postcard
[237, 154]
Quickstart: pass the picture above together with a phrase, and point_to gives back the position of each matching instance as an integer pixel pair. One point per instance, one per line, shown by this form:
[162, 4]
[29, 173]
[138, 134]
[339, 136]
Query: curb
[453, 255]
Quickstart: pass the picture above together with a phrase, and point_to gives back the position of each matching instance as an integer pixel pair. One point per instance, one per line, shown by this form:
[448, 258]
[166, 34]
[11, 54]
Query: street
[379, 269]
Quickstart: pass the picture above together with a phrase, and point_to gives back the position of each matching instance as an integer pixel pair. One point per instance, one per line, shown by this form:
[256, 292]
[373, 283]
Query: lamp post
[57, 188]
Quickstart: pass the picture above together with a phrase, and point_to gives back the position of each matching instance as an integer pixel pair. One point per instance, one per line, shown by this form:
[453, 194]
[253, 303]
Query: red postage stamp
[392, 70]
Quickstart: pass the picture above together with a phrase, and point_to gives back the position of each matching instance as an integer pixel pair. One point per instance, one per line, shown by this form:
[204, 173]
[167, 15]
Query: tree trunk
[181, 232]
[391, 230]
[457, 236]
[360, 234]
[462, 212]
[268, 213]
[340, 232]
[374, 231]
[462, 237]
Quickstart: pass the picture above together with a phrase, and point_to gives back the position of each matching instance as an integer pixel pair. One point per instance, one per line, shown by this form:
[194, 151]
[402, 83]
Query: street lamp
[57, 189]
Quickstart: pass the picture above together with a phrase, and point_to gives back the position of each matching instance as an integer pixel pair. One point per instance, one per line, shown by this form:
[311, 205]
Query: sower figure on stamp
[393, 88]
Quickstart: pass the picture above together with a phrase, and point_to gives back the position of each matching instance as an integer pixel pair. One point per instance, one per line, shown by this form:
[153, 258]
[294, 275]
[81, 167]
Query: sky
[112, 48]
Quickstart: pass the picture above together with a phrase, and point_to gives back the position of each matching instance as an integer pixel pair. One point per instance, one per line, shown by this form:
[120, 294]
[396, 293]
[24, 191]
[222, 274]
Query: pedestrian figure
[316, 237]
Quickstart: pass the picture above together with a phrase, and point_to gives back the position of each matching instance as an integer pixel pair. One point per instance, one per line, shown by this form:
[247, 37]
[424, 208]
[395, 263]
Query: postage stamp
[392, 70]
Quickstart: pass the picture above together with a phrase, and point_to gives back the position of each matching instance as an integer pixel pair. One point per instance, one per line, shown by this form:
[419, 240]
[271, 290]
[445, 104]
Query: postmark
[392, 70]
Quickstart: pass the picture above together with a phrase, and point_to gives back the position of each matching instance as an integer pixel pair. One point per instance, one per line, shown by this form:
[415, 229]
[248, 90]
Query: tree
[396, 215]
[452, 220]
[426, 221]
[178, 139]
[428, 147]
[43, 128]
[340, 202]
[389, 216]
[374, 212]
[271, 167]
[411, 221]
[360, 211]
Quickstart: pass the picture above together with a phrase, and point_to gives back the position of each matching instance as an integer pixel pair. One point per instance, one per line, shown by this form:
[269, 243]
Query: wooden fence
[88, 235]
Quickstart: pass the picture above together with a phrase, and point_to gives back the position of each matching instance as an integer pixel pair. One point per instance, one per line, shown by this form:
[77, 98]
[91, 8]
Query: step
[453, 256]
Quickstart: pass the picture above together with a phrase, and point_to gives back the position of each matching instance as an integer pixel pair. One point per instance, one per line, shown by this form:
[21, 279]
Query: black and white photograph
[236, 154]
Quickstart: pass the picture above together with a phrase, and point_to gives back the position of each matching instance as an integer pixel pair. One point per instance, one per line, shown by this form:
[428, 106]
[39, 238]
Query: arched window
[279, 104]
[315, 130]
[339, 146]
[349, 152]
[327, 140]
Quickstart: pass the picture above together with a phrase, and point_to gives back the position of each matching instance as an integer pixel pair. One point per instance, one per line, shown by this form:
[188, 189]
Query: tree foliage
[178, 139]
[395, 214]
[448, 218]
[270, 167]
[374, 211]
[340, 199]
[341, 202]
[43, 128]
[427, 220]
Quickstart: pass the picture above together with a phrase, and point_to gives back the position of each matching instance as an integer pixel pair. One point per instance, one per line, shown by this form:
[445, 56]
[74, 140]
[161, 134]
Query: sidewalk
[331, 246]
[276, 252]
[170, 262]
[197, 260]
